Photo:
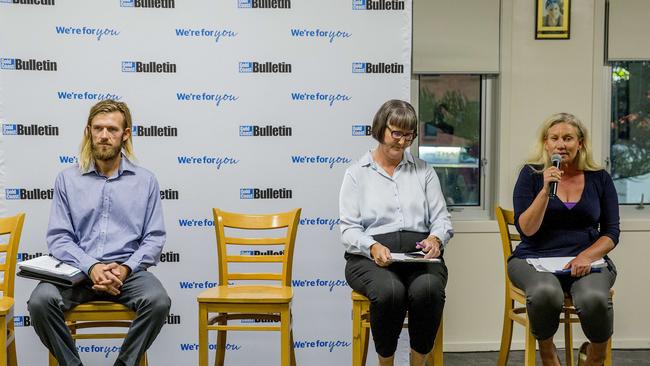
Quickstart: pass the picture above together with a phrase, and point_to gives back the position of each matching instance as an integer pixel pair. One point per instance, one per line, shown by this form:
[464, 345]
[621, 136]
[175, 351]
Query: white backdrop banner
[231, 99]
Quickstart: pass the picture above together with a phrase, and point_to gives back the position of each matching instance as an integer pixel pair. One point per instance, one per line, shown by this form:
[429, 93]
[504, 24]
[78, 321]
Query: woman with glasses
[391, 202]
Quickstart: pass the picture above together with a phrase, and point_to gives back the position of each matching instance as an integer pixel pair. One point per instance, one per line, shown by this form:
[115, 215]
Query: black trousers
[418, 288]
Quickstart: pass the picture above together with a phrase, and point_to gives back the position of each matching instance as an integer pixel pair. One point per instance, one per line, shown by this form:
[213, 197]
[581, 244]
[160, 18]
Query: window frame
[487, 183]
[626, 210]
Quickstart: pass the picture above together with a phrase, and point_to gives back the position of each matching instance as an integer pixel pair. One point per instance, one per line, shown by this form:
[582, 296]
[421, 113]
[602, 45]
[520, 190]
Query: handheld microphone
[555, 161]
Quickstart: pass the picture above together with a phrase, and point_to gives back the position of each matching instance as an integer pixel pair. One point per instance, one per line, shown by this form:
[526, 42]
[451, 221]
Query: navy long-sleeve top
[567, 232]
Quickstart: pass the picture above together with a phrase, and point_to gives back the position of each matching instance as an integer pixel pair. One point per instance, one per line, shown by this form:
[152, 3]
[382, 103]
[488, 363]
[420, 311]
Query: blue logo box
[246, 193]
[127, 3]
[12, 193]
[8, 63]
[245, 4]
[9, 129]
[128, 66]
[358, 67]
[19, 321]
[245, 67]
[134, 130]
[358, 4]
[245, 130]
[360, 130]
[6, 1]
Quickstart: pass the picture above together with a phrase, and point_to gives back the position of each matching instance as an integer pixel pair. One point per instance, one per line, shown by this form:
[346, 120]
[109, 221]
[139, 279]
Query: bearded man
[106, 219]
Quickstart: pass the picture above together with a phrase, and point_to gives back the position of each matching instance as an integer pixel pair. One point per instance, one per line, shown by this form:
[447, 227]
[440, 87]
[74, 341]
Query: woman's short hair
[399, 114]
[585, 158]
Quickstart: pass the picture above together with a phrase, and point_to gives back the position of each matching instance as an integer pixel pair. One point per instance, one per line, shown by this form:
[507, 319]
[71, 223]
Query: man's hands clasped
[108, 277]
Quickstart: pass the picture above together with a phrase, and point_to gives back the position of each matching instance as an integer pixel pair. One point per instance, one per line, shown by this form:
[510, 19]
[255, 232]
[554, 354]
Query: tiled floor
[619, 358]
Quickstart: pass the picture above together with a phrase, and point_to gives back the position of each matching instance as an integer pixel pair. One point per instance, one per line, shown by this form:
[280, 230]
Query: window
[630, 131]
[454, 113]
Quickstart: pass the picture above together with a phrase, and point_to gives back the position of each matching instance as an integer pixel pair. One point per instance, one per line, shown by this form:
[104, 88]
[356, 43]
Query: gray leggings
[545, 297]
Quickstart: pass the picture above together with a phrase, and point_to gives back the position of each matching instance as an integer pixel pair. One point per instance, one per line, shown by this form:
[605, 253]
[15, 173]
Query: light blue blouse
[371, 202]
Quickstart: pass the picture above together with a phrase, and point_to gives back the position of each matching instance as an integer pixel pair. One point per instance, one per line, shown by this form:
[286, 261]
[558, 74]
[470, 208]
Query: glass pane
[449, 137]
[630, 130]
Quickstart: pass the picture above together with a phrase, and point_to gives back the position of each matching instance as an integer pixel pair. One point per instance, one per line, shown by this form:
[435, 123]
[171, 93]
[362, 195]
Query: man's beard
[105, 154]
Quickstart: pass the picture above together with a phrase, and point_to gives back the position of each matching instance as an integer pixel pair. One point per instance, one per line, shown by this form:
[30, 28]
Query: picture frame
[552, 19]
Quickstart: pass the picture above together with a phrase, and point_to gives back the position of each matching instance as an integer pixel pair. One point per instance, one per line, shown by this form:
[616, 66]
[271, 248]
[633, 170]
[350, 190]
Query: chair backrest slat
[256, 276]
[12, 226]
[255, 258]
[249, 222]
[506, 220]
[255, 241]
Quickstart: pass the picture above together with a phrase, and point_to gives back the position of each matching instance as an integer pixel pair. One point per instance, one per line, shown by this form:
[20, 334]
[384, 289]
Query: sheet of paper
[49, 264]
[412, 257]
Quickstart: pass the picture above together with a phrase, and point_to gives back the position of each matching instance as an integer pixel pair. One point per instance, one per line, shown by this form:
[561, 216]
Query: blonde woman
[581, 221]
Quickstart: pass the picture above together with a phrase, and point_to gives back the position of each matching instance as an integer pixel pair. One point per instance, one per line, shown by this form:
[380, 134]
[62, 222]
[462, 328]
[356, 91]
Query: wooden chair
[361, 330]
[13, 227]
[254, 301]
[98, 314]
[506, 219]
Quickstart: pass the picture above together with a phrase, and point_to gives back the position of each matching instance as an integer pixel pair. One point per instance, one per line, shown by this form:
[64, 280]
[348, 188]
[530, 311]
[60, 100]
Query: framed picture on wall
[552, 19]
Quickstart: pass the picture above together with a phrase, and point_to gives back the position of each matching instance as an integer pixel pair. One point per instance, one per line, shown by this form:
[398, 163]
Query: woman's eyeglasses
[397, 135]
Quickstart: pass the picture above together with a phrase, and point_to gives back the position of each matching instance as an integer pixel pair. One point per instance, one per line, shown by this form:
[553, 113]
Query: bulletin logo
[173, 319]
[264, 4]
[377, 68]
[378, 5]
[24, 256]
[154, 131]
[361, 130]
[265, 193]
[149, 67]
[170, 257]
[29, 2]
[169, 194]
[22, 321]
[166, 4]
[264, 67]
[29, 194]
[27, 65]
[268, 130]
[16, 129]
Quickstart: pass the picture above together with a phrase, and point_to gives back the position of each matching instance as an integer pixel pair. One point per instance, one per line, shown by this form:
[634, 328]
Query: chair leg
[285, 330]
[12, 360]
[568, 339]
[3, 341]
[436, 357]
[506, 336]
[356, 334]
[143, 360]
[293, 351]
[530, 352]
[51, 361]
[203, 335]
[220, 357]
[608, 356]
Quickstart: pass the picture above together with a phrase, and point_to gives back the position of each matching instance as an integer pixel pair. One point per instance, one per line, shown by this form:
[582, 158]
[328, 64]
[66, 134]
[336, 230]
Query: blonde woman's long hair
[105, 106]
[540, 157]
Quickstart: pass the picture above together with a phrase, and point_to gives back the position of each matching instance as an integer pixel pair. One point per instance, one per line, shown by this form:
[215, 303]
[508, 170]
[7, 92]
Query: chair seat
[247, 294]
[6, 304]
[100, 306]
